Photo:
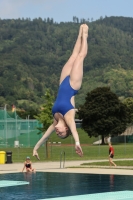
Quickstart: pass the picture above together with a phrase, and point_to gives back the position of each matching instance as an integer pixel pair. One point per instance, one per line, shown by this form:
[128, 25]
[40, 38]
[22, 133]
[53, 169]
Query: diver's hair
[67, 134]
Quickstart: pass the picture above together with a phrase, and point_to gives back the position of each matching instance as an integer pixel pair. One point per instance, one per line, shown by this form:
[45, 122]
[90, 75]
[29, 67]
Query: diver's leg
[68, 66]
[77, 69]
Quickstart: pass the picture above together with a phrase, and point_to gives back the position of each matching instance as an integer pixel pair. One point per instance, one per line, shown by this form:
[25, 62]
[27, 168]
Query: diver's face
[61, 131]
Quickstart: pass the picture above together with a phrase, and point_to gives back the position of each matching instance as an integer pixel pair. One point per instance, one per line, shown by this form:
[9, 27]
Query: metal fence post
[62, 154]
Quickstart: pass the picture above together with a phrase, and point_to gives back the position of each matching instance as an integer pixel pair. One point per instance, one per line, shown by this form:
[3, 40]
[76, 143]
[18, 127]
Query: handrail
[61, 154]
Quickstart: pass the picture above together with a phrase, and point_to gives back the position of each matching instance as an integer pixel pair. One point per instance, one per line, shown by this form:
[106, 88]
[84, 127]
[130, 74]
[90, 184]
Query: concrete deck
[55, 167]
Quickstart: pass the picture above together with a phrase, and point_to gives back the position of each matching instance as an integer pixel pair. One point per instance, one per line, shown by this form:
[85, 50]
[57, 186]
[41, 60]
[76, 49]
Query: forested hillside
[32, 54]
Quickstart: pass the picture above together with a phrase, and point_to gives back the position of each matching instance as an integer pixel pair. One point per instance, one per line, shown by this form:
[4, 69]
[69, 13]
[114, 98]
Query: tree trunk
[103, 140]
[46, 149]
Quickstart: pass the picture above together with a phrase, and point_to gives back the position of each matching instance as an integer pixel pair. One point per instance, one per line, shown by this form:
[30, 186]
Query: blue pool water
[44, 185]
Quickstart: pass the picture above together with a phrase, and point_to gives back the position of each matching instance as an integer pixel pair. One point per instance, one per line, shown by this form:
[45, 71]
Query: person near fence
[70, 82]
[111, 155]
[28, 165]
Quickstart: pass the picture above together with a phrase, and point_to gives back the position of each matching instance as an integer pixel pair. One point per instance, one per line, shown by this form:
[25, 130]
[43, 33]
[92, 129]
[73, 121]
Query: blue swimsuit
[65, 93]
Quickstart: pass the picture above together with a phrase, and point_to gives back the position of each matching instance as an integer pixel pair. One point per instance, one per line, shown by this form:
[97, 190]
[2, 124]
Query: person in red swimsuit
[111, 155]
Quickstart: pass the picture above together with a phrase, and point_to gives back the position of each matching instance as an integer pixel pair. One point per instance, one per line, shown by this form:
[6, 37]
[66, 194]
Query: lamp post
[28, 132]
[16, 126]
[5, 116]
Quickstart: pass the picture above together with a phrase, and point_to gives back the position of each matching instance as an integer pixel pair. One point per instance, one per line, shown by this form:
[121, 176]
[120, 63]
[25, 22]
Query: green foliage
[45, 116]
[103, 113]
[129, 103]
[29, 112]
[33, 52]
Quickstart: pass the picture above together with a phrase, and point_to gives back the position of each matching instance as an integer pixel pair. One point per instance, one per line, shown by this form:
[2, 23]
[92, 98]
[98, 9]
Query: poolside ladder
[62, 159]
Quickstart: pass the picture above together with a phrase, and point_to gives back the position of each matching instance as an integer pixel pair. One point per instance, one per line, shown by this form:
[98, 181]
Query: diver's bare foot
[81, 30]
[85, 30]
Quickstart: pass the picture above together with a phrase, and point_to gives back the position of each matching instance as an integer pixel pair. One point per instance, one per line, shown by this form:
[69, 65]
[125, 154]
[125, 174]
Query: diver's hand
[36, 154]
[78, 149]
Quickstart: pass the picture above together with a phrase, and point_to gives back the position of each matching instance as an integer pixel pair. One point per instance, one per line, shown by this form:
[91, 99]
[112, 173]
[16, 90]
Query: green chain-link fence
[17, 132]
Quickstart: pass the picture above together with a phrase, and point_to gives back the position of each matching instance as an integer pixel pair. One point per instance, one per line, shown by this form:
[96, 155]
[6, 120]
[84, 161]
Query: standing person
[111, 155]
[70, 82]
[28, 165]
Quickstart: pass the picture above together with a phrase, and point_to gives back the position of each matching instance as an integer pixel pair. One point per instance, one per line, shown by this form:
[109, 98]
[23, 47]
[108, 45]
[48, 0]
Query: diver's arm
[42, 140]
[71, 123]
[74, 132]
[73, 129]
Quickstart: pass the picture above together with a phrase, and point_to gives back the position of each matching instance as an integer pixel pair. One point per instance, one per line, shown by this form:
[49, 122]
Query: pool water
[44, 185]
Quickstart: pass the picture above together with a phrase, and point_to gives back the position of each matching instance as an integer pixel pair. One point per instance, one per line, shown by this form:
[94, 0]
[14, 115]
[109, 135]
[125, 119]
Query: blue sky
[64, 10]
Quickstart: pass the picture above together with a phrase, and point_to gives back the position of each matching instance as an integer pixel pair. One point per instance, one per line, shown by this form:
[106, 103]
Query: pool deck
[70, 167]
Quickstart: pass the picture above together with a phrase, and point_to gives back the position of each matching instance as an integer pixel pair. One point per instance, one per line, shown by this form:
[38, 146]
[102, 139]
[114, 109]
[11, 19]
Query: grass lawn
[91, 152]
[118, 163]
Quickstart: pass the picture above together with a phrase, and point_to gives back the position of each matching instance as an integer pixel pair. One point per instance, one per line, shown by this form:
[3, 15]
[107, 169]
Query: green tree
[24, 113]
[45, 116]
[103, 113]
[129, 103]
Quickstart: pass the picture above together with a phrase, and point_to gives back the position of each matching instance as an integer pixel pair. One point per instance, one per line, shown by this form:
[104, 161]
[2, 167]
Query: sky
[64, 10]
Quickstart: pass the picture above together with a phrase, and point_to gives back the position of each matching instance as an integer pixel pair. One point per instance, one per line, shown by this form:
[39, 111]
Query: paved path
[55, 167]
